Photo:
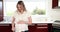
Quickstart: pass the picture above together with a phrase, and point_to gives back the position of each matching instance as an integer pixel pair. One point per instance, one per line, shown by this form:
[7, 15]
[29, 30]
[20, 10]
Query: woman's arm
[13, 19]
[29, 20]
[23, 22]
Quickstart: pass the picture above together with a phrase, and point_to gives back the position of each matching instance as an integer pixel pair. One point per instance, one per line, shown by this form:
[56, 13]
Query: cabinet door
[1, 10]
[32, 28]
[5, 28]
[54, 3]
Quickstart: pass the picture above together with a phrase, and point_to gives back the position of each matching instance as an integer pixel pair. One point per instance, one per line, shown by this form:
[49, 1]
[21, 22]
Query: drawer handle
[42, 27]
[41, 24]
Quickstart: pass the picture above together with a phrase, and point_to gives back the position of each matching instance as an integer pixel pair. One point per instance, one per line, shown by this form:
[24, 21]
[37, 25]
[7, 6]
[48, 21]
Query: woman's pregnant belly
[21, 27]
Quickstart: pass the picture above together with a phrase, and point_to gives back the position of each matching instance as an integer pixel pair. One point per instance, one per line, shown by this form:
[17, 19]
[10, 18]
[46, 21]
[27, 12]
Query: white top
[18, 16]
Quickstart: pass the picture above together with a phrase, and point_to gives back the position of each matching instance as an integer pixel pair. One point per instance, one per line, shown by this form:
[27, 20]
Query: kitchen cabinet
[55, 4]
[5, 28]
[1, 10]
[40, 27]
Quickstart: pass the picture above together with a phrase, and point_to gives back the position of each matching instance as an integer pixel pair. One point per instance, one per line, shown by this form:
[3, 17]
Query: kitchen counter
[9, 22]
[5, 22]
[43, 22]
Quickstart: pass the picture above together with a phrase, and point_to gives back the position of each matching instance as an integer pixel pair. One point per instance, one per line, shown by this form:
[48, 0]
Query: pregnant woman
[21, 18]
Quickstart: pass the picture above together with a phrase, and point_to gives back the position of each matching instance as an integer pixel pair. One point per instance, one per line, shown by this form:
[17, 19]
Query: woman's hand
[21, 22]
[13, 28]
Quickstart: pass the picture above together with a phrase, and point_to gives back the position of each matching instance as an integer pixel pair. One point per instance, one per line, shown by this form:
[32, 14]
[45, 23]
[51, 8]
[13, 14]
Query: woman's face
[20, 7]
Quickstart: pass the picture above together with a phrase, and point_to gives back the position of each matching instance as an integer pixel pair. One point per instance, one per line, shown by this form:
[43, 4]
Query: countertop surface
[5, 22]
[9, 22]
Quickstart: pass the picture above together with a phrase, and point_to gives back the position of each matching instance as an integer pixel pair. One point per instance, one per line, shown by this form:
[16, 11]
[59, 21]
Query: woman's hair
[21, 3]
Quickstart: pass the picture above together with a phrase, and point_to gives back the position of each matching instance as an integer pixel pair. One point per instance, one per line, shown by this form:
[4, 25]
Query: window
[35, 7]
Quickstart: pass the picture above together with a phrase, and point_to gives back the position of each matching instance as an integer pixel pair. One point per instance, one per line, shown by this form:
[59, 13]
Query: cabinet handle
[42, 27]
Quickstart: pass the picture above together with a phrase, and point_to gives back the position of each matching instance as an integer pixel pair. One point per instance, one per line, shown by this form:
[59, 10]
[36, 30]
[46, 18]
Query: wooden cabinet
[54, 3]
[40, 27]
[5, 28]
[32, 28]
[1, 10]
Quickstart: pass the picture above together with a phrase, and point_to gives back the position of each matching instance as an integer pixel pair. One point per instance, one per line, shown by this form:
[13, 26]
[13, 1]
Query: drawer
[42, 30]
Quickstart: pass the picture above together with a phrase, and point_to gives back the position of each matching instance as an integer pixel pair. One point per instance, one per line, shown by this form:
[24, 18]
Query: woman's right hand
[21, 22]
[13, 28]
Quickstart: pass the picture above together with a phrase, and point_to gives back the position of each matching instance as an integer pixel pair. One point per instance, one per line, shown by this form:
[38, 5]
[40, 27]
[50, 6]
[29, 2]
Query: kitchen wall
[53, 13]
